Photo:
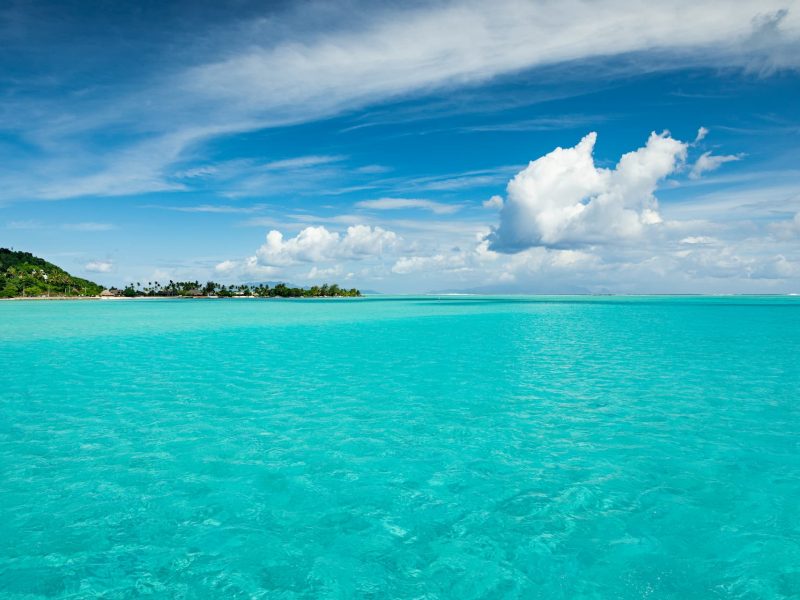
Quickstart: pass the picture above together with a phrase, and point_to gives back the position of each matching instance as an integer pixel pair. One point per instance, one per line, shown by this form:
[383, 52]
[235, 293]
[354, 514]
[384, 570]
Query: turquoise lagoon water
[401, 448]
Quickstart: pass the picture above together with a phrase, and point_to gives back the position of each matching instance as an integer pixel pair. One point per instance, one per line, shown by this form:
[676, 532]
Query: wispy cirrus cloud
[544, 123]
[86, 226]
[99, 266]
[27, 224]
[452, 181]
[439, 208]
[467, 42]
[303, 162]
[271, 76]
[212, 208]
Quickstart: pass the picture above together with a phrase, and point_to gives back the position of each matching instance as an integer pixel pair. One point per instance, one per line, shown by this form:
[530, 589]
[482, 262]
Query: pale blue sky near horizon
[373, 144]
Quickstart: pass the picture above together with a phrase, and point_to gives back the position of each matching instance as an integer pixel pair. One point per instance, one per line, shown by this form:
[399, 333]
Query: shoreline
[423, 295]
[116, 298]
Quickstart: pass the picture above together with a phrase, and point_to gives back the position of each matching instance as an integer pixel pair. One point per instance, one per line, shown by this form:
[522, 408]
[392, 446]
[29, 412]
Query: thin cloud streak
[212, 208]
[438, 208]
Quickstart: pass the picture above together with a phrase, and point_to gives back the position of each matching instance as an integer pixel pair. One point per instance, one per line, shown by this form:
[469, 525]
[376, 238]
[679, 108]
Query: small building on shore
[111, 293]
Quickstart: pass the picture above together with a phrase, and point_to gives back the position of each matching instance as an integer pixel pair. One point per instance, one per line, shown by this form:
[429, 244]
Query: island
[23, 275]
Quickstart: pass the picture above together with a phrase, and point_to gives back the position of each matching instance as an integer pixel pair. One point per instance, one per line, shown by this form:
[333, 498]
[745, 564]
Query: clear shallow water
[401, 448]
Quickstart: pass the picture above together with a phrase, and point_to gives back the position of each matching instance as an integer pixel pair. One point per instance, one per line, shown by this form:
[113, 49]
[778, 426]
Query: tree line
[220, 290]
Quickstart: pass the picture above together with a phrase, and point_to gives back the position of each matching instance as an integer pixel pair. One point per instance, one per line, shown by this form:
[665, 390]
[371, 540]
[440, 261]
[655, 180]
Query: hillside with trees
[23, 274]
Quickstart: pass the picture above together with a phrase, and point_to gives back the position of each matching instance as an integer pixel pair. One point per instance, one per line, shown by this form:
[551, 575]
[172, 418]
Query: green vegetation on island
[23, 274]
[211, 289]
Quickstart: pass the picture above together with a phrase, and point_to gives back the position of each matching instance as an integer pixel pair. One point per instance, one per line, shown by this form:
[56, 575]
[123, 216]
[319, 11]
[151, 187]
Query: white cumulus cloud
[563, 199]
[413, 264]
[226, 266]
[495, 202]
[701, 135]
[317, 273]
[698, 239]
[710, 162]
[318, 244]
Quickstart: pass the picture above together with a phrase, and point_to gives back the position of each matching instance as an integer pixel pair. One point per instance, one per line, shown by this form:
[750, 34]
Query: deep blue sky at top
[105, 171]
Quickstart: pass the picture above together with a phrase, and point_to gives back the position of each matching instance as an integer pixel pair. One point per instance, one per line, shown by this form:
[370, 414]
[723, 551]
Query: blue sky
[407, 147]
